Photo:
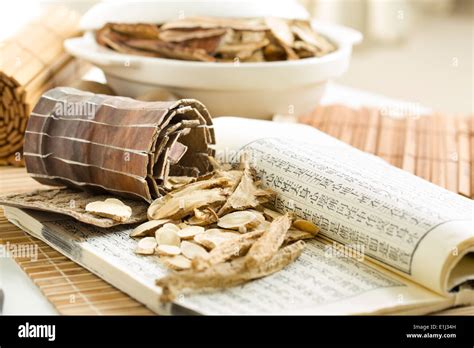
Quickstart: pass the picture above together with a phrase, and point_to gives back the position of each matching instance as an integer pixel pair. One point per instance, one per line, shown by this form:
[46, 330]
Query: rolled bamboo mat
[31, 62]
[438, 148]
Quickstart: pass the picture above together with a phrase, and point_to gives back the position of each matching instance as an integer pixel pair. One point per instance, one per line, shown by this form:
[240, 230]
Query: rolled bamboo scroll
[115, 144]
[31, 62]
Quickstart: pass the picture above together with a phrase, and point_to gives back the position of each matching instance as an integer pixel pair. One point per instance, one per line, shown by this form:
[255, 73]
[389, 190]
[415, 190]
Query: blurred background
[417, 50]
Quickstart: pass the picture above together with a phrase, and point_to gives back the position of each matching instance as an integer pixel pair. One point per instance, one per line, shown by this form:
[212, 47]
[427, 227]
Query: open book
[390, 242]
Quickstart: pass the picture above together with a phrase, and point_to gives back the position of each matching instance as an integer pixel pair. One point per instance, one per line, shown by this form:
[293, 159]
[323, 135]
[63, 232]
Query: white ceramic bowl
[256, 90]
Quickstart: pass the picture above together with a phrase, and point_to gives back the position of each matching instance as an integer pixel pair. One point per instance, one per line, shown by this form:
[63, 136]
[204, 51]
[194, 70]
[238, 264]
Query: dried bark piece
[226, 250]
[218, 39]
[246, 195]
[189, 232]
[179, 35]
[168, 250]
[110, 208]
[305, 32]
[139, 30]
[148, 227]
[213, 237]
[239, 219]
[175, 182]
[170, 50]
[294, 235]
[192, 250]
[215, 22]
[304, 49]
[227, 274]
[159, 203]
[269, 243]
[72, 203]
[256, 56]
[181, 206]
[281, 30]
[270, 214]
[146, 246]
[274, 52]
[106, 37]
[242, 50]
[306, 226]
[167, 236]
[204, 216]
[177, 262]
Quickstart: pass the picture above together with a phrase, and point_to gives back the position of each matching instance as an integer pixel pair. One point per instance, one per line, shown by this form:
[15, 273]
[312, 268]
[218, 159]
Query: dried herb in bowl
[211, 39]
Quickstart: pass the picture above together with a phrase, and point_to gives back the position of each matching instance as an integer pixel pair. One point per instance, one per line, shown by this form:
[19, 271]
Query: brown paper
[72, 203]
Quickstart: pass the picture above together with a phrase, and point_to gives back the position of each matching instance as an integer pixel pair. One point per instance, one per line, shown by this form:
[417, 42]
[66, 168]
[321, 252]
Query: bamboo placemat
[74, 290]
[71, 289]
[438, 148]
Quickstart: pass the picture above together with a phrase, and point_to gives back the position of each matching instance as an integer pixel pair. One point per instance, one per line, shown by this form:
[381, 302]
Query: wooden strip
[386, 140]
[361, 122]
[451, 154]
[371, 140]
[465, 157]
[409, 149]
[334, 120]
[423, 165]
[347, 128]
[437, 168]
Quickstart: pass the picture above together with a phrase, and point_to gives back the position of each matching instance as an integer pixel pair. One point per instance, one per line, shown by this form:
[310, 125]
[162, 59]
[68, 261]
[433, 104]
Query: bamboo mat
[436, 147]
[72, 289]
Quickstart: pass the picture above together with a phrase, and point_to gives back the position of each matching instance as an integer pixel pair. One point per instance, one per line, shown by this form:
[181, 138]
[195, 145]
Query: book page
[357, 199]
[322, 280]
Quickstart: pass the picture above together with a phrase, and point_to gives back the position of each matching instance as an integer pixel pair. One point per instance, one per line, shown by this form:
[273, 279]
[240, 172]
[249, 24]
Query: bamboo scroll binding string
[116, 144]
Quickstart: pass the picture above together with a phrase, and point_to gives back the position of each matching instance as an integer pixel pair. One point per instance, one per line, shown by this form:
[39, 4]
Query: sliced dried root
[168, 250]
[180, 206]
[246, 195]
[227, 250]
[203, 217]
[293, 235]
[111, 208]
[148, 228]
[176, 182]
[162, 205]
[269, 243]
[192, 250]
[189, 232]
[239, 220]
[146, 246]
[270, 214]
[177, 262]
[227, 274]
[213, 237]
[167, 236]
